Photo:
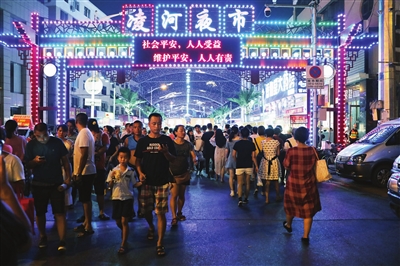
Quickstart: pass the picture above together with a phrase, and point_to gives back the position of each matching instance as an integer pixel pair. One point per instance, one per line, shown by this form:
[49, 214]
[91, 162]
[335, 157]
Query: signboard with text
[315, 77]
[152, 51]
[298, 119]
[24, 121]
[141, 20]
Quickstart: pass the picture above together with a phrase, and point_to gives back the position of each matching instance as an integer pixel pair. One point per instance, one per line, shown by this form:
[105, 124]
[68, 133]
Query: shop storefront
[283, 95]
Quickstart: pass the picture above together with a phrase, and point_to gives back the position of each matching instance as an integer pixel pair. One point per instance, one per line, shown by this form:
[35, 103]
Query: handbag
[27, 204]
[321, 169]
[183, 178]
[260, 154]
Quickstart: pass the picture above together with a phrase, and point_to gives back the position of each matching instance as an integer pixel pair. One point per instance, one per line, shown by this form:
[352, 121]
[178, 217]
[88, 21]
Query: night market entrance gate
[185, 36]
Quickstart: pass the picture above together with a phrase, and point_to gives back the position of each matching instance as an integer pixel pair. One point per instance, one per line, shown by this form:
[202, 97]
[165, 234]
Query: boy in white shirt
[118, 180]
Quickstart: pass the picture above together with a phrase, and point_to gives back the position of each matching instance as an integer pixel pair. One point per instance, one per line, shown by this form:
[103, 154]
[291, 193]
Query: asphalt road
[355, 227]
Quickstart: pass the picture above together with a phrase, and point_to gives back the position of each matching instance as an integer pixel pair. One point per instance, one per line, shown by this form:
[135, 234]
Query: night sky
[110, 7]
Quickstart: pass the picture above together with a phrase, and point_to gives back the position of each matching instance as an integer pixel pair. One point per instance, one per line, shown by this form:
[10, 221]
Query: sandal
[174, 222]
[85, 233]
[121, 250]
[181, 217]
[79, 228]
[160, 251]
[289, 229]
[150, 234]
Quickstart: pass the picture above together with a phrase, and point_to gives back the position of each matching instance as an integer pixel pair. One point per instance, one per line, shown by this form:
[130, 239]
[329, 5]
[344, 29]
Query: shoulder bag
[321, 169]
[260, 154]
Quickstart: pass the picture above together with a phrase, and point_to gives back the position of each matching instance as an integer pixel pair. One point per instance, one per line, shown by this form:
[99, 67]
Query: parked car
[371, 158]
[393, 186]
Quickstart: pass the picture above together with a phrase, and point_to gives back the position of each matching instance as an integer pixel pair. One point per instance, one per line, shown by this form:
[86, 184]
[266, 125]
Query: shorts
[122, 208]
[42, 195]
[241, 171]
[99, 182]
[154, 195]
[85, 188]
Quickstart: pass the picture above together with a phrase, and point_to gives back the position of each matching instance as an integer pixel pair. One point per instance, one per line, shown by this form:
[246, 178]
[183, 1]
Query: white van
[371, 158]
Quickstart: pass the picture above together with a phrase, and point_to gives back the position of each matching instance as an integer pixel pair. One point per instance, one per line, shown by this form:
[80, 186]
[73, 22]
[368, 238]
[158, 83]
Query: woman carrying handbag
[301, 197]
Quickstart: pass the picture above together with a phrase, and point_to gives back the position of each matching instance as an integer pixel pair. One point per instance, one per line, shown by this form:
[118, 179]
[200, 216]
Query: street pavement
[353, 228]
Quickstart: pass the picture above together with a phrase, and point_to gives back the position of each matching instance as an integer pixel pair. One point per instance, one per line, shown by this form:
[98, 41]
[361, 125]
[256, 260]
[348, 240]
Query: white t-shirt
[197, 140]
[84, 139]
[292, 141]
[120, 190]
[14, 168]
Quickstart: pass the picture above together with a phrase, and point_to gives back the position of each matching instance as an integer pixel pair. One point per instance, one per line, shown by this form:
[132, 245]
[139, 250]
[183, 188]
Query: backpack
[260, 154]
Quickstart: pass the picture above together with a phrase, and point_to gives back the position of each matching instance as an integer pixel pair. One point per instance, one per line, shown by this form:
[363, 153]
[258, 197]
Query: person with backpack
[259, 154]
[270, 169]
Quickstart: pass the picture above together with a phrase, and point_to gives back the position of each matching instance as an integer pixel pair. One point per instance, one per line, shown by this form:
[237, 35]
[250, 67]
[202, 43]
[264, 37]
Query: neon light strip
[341, 85]
[35, 71]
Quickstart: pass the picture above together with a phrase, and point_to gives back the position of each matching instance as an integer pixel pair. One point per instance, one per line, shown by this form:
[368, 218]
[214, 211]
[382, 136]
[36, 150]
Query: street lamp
[313, 6]
[162, 87]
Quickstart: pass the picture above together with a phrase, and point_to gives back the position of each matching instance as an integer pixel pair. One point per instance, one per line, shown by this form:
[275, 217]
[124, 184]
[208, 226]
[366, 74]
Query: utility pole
[386, 75]
[314, 93]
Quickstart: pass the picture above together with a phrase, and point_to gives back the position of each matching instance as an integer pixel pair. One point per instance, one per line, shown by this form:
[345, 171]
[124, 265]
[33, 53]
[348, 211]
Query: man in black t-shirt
[208, 149]
[153, 154]
[47, 156]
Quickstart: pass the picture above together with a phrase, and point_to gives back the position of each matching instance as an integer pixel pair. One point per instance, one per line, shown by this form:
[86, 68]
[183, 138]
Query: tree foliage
[220, 114]
[129, 100]
[246, 99]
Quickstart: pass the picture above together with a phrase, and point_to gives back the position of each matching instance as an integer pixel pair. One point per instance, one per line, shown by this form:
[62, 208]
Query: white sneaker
[232, 193]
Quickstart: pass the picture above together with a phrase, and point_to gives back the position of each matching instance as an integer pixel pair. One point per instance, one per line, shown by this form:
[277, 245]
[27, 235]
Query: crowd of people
[83, 157]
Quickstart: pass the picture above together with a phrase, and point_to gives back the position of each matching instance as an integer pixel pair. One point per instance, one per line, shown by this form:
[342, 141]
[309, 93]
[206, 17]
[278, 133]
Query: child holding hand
[118, 181]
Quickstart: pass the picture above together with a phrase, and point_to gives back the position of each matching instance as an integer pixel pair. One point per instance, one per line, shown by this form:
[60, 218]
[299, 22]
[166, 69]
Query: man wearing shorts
[153, 154]
[46, 156]
[84, 172]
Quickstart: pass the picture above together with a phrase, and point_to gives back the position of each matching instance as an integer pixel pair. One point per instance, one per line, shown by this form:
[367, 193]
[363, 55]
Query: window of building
[75, 102]
[86, 12]
[16, 111]
[16, 78]
[111, 108]
[104, 90]
[104, 107]
[66, 1]
[77, 5]
[63, 15]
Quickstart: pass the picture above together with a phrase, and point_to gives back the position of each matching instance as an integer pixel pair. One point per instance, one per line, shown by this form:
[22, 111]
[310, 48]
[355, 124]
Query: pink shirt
[18, 145]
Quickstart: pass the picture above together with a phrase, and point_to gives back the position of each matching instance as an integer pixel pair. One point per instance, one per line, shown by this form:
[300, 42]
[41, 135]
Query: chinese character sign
[171, 19]
[238, 20]
[138, 19]
[204, 19]
[158, 51]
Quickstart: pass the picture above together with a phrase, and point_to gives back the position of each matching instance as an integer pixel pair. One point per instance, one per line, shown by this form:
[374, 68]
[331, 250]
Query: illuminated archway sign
[179, 36]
